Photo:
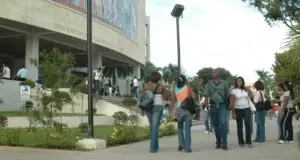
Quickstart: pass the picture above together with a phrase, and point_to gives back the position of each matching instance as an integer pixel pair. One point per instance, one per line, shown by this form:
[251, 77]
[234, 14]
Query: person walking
[217, 91]
[241, 112]
[287, 111]
[154, 115]
[207, 121]
[184, 117]
[260, 114]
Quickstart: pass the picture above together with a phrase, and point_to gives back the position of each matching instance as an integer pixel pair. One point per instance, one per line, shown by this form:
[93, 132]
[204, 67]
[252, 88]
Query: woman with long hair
[287, 111]
[183, 117]
[160, 94]
[259, 96]
[240, 105]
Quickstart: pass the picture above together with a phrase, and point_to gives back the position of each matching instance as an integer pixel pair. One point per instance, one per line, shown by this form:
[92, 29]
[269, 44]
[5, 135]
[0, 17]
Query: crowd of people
[20, 76]
[220, 100]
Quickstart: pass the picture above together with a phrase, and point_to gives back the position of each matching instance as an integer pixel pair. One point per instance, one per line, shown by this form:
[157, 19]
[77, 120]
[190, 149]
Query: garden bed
[24, 114]
[51, 138]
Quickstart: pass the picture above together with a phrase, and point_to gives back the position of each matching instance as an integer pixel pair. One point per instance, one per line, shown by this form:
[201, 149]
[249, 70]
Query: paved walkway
[203, 148]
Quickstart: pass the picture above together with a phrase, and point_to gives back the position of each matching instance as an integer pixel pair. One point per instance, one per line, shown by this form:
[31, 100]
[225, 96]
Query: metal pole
[178, 45]
[90, 70]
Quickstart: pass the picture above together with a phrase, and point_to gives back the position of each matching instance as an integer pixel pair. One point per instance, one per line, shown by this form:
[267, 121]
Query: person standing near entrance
[217, 91]
[135, 83]
[22, 74]
[97, 80]
[6, 72]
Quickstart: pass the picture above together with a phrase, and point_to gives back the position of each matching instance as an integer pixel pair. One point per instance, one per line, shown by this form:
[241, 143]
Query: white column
[97, 60]
[32, 52]
[137, 71]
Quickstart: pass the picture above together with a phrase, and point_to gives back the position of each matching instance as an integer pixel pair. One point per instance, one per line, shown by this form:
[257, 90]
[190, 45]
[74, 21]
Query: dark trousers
[286, 123]
[219, 119]
[243, 116]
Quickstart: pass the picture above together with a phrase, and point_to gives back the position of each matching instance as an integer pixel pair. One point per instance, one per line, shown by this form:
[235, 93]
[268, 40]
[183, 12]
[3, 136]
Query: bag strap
[262, 97]
[215, 90]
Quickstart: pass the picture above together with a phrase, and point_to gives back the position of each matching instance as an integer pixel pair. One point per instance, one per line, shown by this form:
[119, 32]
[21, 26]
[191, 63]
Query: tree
[287, 64]
[1, 74]
[205, 75]
[53, 66]
[268, 79]
[148, 68]
[197, 85]
[286, 11]
[170, 73]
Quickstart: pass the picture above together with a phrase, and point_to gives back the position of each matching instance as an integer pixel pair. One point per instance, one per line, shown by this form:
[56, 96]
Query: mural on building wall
[118, 13]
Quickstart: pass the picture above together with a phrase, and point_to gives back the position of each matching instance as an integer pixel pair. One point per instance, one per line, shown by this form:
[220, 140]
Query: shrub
[10, 136]
[84, 127]
[28, 83]
[3, 121]
[122, 135]
[168, 129]
[133, 119]
[56, 140]
[130, 134]
[60, 127]
[121, 118]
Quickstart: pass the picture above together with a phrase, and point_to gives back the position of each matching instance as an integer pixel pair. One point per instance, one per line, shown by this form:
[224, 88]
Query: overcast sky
[214, 33]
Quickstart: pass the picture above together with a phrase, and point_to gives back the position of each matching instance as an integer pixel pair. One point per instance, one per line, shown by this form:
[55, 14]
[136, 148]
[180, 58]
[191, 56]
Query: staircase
[118, 101]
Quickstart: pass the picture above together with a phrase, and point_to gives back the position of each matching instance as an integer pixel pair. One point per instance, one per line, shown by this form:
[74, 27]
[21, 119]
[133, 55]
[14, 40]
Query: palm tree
[292, 38]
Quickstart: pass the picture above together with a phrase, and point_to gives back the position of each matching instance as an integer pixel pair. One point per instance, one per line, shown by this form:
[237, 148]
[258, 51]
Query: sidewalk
[203, 148]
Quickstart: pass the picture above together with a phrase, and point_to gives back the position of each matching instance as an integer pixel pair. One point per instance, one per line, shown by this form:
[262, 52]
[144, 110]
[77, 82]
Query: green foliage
[197, 85]
[132, 133]
[82, 88]
[121, 118]
[10, 136]
[287, 64]
[148, 68]
[3, 121]
[59, 127]
[28, 83]
[133, 119]
[205, 75]
[53, 66]
[286, 11]
[84, 127]
[129, 102]
[55, 140]
[268, 79]
[94, 111]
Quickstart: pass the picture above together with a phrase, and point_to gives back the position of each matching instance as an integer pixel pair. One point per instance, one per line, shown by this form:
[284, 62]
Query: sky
[214, 33]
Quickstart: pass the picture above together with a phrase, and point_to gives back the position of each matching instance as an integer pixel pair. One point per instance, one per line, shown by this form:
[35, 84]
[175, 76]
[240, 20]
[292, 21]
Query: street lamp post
[90, 71]
[177, 13]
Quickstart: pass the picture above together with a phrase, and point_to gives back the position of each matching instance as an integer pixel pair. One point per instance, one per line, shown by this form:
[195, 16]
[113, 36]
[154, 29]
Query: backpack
[263, 105]
[146, 100]
[189, 104]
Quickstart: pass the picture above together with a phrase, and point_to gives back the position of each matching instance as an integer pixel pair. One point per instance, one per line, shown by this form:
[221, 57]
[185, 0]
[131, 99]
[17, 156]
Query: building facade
[34, 25]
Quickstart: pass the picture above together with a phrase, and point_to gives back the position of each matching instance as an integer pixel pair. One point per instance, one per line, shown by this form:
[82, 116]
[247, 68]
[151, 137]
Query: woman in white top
[287, 110]
[154, 116]
[240, 105]
[260, 114]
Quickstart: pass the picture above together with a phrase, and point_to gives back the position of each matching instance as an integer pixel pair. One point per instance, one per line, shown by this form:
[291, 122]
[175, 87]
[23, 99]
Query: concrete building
[30, 26]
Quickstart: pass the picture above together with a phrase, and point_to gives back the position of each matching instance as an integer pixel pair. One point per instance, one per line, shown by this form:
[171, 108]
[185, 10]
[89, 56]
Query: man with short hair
[217, 91]
[135, 87]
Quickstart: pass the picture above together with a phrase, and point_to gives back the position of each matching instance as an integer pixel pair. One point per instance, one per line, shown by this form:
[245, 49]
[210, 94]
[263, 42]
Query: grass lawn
[27, 139]
[21, 114]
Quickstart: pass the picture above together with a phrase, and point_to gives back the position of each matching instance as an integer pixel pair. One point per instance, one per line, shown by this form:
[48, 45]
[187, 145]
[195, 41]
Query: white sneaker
[206, 132]
[291, 141]
[281, 142]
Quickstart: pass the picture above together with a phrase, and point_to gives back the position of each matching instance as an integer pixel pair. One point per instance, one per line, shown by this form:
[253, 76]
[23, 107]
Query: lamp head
[177, 10]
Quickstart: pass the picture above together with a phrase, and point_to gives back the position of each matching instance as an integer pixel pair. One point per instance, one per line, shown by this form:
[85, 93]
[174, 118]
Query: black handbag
[189, 104]
[263, 105]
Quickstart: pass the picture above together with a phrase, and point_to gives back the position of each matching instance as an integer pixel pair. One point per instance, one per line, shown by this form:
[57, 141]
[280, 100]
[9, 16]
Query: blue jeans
[251, 122]
[154, 118]
[185, 139]
[260, 125]
[219, 119]
[207, 122]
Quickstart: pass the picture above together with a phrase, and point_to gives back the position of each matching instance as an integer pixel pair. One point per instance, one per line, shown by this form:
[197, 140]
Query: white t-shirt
[290, 102]
[97, 75]
[6, 70]
[241, 98]
[257, 97]
[135, 82]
